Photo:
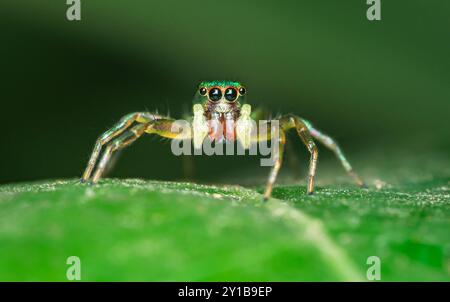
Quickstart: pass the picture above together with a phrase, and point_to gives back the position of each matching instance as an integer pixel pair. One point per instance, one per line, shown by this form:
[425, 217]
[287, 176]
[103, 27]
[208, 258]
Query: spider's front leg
[119, 128]
[306, 133]
[331, 144]
[247, 136]
[121, 142]
[285, 124]
[278, 157]
[122, 135]
[290, 121]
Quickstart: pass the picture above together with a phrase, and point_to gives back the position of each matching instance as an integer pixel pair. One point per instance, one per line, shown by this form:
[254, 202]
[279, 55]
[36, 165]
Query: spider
[223, 102]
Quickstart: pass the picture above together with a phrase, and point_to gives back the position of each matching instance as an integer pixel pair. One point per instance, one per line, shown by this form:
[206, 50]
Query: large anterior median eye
[215, 94]
[230, 94]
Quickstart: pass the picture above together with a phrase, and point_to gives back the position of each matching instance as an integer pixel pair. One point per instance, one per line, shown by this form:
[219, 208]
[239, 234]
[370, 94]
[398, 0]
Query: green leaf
[171, 231]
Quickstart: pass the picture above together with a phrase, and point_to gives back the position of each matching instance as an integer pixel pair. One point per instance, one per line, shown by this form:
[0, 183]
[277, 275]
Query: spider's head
[221, 97]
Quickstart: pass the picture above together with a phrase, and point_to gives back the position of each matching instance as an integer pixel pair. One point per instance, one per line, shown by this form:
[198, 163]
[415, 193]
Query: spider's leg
[332, 145]
[157, 125]
[277, 165]
[268, 135]
[121, 126]
[121, 142]
[165, 127]
[288, 122]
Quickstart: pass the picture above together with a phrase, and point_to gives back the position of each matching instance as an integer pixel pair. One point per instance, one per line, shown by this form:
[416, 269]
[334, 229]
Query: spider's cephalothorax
[220, 113]
[221, 102]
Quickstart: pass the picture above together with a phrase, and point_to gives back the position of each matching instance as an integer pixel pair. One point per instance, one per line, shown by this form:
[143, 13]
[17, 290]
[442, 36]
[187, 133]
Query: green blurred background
[381, 85]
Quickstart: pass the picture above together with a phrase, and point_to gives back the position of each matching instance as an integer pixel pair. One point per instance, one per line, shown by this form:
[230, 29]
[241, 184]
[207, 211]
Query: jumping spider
[222, 102]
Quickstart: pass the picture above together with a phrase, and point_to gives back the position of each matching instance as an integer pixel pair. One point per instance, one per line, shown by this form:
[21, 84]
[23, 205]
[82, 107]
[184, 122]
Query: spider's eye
[230, 94]
[215, 94]
[202, 91]
[242, 91]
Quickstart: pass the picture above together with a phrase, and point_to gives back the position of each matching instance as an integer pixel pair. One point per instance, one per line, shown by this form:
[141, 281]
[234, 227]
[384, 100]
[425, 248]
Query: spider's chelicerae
[224, 103]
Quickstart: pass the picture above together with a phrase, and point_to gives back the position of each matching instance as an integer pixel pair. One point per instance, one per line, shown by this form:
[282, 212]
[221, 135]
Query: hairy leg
[288, 122]
[121, 142]
[152, 124]
[277, 165]
[120, 127]
[332, 145]
[166, 127]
